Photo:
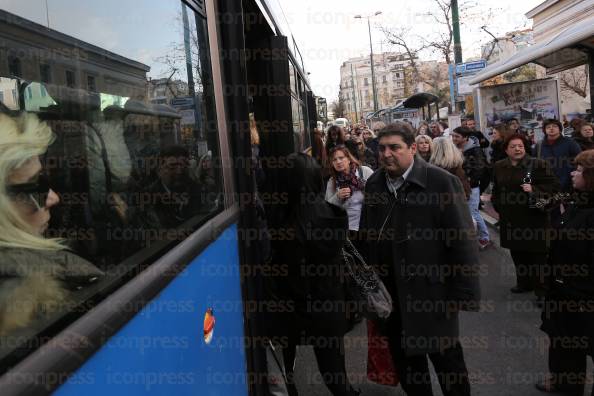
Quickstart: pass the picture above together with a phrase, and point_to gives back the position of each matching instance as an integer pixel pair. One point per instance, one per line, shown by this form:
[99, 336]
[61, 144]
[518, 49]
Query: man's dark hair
[552, 121]
[512, 119]
[463, 131]
[398, 128]
[174, 151]
[516, 136]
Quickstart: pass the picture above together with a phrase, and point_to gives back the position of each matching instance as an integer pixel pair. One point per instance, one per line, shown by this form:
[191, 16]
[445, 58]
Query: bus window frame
[75, 343]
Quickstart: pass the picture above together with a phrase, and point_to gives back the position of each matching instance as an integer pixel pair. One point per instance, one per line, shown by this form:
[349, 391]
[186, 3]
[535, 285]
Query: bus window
[135, 162]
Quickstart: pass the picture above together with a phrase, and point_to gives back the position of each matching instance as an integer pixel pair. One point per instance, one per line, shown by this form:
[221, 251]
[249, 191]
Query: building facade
[549, 19]
[356, 89]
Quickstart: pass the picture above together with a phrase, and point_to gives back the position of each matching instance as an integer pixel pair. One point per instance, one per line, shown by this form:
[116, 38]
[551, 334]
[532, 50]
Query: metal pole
[591, 77]
[47, 14]
[457, 42]
[354, 95]
[372, 68]
[456, 29]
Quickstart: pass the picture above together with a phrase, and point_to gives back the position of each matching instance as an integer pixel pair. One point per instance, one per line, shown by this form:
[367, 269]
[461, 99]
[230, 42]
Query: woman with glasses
[346, 185]
[38, 275]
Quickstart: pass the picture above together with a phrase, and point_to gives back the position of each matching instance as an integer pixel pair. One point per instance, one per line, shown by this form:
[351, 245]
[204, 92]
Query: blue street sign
[452, 85]
[471, 67]
[184, 102]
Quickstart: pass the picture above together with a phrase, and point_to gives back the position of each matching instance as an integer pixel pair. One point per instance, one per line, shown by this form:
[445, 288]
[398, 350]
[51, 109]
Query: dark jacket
[497, 151]
[584, 143]
[474, 162]
[36, 285]
[572, 252]
[366, 157]
[305, 286]
[312, 288]
[522, 228]
[560, 156]
[424, 248]
[174, 207]
[373, 144]
[572, 276]
[483, 141]
[424, 156]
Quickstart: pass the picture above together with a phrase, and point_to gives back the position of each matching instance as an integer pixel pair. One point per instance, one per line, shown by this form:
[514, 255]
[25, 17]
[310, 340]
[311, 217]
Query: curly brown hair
[586, 160]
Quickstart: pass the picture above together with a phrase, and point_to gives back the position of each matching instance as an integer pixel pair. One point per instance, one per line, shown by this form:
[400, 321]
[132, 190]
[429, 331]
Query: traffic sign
[184, 102]
[470, 67]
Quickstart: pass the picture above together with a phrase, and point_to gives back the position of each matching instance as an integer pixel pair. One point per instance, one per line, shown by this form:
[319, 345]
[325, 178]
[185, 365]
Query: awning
[419, 100]
[566, 50]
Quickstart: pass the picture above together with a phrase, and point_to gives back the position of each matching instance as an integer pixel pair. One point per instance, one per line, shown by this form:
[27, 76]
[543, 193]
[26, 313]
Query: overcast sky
[327, 33]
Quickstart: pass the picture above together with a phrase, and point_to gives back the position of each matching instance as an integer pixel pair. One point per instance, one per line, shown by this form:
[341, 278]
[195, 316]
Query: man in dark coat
[523, 230]
[559, 151]
[419, 235]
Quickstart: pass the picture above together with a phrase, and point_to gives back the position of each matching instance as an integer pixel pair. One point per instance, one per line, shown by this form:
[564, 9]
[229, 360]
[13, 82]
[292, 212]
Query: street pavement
[504, 349]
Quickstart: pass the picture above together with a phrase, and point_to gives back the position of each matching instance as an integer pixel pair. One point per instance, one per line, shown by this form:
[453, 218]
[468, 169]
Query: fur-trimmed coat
[36, 284]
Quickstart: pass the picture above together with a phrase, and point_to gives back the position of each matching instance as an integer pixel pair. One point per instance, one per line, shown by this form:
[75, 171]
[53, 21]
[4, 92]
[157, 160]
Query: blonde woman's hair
[424, 137]
[21, 139]
[445, 154]
[254, 135]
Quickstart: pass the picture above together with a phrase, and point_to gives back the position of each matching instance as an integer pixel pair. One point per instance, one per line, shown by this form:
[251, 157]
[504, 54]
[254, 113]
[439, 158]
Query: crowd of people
[408, 199]
[412, 199]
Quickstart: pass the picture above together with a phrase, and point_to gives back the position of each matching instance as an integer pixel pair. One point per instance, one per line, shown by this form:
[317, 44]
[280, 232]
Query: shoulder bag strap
[528, 177]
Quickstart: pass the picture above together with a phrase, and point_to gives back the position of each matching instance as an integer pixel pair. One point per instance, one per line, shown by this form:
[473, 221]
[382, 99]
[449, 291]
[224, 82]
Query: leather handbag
[364, 285]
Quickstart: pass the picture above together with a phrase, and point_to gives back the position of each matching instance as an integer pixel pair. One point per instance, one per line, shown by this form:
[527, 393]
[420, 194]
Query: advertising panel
[531, 102]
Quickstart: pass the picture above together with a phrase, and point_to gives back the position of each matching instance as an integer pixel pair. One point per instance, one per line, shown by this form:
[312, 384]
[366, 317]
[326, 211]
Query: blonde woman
[346, 184]
[424, 146]
[36, 273]
[447, 156]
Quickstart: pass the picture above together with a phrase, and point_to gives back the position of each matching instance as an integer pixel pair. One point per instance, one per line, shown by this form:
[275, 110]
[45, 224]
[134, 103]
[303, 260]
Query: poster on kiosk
[531, 102]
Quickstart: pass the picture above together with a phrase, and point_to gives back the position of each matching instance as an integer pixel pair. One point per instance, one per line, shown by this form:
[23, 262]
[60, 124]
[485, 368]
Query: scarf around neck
[350, 180]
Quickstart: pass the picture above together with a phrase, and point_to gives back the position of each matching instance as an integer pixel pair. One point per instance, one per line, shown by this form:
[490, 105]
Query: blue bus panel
[164, 350]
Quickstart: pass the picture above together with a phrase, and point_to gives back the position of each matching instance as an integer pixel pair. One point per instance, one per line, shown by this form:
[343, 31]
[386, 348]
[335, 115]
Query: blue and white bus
[120, 82]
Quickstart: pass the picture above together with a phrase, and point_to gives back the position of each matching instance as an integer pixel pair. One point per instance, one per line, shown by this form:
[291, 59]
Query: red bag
[380, 366]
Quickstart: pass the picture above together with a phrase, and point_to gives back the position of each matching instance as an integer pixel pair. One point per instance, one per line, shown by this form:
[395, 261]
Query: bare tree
[443, 41]
[402, 39]
[339, 108]
[575, 81]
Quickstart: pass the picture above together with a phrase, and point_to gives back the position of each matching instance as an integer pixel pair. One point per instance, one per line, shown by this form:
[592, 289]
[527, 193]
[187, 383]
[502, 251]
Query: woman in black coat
[523, 230]
[568, 317]
[309, 277]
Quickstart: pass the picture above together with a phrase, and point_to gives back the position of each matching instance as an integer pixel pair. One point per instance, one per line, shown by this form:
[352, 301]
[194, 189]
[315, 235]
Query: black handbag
[364, 285]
